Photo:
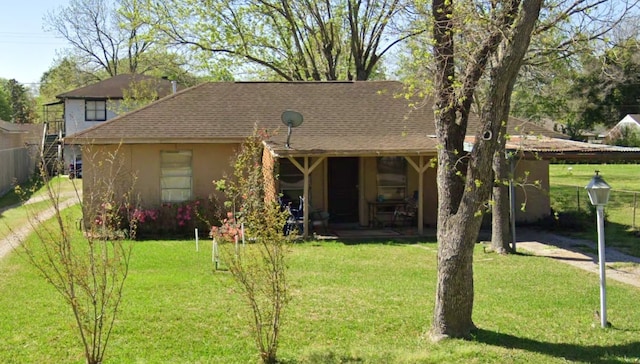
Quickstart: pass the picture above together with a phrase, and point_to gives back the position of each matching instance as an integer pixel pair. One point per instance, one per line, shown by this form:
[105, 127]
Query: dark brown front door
[343, 189]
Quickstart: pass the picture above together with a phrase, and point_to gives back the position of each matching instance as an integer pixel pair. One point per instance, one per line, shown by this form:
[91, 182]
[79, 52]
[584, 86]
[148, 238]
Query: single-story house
[360, 145]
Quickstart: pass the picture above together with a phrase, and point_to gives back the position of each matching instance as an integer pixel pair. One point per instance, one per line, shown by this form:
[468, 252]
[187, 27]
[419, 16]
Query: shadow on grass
[12, 199]
[573, 352]
[384, 241]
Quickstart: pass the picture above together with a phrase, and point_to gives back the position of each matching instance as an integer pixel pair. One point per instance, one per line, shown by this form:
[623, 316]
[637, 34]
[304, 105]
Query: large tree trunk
[500, 213]
[459, 209]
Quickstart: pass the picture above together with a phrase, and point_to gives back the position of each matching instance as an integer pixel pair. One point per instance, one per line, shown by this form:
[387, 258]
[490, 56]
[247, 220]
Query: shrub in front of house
[174, 220]
[568, 221]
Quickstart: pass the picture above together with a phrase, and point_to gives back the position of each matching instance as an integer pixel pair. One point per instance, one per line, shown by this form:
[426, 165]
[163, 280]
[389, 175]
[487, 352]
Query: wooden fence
[16, 165]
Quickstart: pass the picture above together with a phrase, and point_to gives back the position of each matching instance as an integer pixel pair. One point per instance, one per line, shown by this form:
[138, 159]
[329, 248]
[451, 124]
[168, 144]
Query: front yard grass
[351, 303]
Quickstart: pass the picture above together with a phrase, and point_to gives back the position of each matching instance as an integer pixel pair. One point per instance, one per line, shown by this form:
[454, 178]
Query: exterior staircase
[51, 152]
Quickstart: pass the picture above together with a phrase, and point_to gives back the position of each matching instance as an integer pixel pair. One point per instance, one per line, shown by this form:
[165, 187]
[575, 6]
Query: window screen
[392, 178]
[176, 176]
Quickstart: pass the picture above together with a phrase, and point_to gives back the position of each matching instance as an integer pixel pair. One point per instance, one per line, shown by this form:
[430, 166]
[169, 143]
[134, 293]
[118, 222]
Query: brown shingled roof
[113, 87]
[340, 118]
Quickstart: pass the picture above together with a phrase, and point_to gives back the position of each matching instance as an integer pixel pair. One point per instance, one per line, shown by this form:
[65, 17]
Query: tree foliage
[580, 73]
[291, 40]
[20, 102]
[65, 75]
[5, 108]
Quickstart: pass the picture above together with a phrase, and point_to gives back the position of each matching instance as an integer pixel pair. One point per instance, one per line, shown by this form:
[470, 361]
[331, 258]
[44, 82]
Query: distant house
[359, 149]
[628, 124]
[94, 104]
[18, 152]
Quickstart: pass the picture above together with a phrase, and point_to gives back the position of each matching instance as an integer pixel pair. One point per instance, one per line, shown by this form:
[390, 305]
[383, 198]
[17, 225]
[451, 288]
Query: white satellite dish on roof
[291, 119]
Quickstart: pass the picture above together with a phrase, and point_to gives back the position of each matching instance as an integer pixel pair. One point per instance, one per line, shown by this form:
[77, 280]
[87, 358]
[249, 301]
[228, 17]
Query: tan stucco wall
[536, 199]
[209, 161]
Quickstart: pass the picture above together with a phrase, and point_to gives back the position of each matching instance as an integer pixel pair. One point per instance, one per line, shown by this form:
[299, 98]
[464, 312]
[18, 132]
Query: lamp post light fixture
[598, 191]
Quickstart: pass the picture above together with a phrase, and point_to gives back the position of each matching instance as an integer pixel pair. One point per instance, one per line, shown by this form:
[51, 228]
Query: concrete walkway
[580, 253]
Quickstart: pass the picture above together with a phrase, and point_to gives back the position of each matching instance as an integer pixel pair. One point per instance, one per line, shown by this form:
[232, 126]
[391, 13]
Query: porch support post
[306, 171]
[305, 193]
[421, 167]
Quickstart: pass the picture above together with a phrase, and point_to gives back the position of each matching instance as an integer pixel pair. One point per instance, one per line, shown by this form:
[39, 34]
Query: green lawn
[352, 303]
[568, 194]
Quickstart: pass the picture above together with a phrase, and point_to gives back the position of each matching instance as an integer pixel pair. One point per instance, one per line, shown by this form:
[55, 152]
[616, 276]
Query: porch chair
[317, 217]
[407, 212]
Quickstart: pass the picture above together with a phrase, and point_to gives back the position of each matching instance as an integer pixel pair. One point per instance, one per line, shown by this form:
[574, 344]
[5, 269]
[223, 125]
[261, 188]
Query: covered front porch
[362, 195]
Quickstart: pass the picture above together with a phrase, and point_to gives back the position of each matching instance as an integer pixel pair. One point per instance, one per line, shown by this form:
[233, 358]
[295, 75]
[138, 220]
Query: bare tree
[259, 268]
[105, 35]
[88, 268]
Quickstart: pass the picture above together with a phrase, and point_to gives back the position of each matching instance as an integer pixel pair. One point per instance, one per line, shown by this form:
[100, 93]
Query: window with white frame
[95, 110]
[176, 175]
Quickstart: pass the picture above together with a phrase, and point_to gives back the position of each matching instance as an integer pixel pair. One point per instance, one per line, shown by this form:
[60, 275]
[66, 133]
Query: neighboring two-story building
[89, 106]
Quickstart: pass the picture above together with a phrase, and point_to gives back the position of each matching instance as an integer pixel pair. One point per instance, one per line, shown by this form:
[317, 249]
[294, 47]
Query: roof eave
[143, 140]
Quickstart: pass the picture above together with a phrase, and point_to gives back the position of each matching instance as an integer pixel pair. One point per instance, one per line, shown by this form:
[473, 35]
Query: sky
[26, 50]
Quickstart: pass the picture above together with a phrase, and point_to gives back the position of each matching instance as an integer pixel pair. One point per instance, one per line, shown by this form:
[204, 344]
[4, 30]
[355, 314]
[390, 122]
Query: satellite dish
[291, 119]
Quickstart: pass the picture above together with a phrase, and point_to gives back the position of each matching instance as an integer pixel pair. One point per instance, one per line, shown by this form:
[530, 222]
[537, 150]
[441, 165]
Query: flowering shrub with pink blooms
[172, 220]
[228, 230]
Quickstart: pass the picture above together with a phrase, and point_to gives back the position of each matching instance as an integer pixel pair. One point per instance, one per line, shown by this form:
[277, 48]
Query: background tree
[21, 102]
[65, 75]
[588, 80]
[105, 36]
[5, 108]
[291, 40]
[611, 89]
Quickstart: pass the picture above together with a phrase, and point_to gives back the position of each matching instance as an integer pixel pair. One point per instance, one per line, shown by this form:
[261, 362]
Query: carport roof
[551, 148]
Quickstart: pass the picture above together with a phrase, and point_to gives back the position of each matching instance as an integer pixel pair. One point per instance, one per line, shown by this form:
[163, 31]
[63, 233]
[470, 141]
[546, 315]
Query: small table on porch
[385, 206]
